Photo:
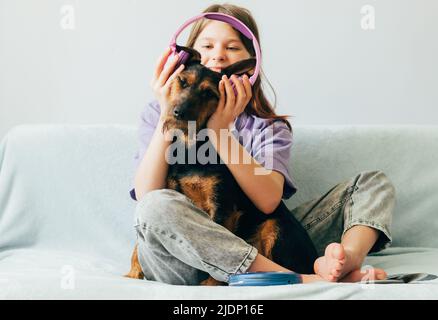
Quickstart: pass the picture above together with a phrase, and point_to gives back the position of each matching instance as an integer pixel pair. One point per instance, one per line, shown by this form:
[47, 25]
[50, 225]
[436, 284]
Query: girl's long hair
[259, 104]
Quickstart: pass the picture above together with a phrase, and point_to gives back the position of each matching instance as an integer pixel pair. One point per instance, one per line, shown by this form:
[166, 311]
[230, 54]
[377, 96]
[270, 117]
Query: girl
[179, 244]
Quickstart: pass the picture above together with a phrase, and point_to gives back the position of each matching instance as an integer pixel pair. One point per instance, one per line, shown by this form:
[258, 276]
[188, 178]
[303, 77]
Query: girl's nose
[219, 55]
[218, 58]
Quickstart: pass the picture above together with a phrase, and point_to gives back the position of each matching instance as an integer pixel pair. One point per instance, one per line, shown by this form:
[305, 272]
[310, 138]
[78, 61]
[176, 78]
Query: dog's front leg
[136, 272]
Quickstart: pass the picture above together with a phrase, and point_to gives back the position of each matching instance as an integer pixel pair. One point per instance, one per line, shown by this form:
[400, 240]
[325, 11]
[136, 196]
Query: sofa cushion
[67, 274]
[323, 156]
[64, 201]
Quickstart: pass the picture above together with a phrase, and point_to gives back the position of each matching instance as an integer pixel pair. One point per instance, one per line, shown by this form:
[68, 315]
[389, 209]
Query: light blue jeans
[178, 243]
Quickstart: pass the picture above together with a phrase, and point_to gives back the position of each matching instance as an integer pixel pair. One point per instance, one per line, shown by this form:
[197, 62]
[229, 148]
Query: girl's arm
[266, 190]
[152, 171]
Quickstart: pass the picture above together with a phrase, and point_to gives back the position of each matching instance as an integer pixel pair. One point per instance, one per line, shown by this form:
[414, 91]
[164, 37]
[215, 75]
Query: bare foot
[210, 281]
[332, 264]
[340, 264]
[308, 278]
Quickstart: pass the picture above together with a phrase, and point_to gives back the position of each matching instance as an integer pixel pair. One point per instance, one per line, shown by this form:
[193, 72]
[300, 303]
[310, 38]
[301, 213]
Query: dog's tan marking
[175, 93]
[136, 272]
[265, 237]
[231, 223]
[191, 77]
[202, 192]
[172, 184]
[205, 84]
[208, 84]
[210, 281]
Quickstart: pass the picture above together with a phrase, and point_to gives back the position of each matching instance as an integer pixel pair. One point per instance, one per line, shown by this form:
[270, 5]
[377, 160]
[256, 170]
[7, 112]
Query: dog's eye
[183, 82]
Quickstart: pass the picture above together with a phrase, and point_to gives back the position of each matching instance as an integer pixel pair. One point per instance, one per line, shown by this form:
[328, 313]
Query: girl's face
[220, 46]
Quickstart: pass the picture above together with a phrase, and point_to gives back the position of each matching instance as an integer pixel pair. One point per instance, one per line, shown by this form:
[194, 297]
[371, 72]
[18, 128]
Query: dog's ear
[195, 56]
[240, 67]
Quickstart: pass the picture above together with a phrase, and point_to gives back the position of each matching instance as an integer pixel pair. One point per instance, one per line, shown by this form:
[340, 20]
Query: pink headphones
[236, 23]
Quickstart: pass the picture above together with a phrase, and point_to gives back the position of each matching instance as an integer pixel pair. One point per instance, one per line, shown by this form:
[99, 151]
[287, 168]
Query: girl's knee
[378, 178]
[158, 206]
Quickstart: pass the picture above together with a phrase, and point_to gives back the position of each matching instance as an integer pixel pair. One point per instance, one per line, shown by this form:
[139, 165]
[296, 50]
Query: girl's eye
[230, 48]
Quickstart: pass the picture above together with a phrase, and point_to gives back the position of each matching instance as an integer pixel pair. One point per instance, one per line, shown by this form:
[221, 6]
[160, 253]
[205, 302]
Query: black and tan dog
[278, 236]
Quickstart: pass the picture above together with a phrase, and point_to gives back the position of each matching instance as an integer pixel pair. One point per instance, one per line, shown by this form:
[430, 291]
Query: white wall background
[324, 67]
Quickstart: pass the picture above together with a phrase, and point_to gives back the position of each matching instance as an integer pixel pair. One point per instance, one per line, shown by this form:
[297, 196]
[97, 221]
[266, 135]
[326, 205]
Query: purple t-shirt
[268, 143]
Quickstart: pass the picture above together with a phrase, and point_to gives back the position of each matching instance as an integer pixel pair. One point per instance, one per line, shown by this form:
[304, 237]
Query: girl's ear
[195, 56]
[240, 67]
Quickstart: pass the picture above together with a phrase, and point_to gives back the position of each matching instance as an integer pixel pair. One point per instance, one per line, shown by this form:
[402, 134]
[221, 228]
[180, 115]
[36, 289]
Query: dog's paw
[135, 274]
[210, 281]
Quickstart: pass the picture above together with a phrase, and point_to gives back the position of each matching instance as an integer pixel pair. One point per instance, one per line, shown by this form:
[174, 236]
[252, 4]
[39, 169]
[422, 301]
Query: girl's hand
[161, 80]
[230, 106]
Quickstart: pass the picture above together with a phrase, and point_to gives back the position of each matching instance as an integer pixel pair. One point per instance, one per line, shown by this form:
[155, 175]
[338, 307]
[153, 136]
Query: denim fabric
[178, 243]
[367, 199]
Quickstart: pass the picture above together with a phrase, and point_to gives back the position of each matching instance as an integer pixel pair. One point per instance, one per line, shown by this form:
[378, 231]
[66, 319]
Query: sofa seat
[66, 217]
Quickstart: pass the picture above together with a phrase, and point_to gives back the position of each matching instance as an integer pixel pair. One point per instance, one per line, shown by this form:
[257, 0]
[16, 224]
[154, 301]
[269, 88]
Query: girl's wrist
[160, 128]
[218, 126]
[160, 123]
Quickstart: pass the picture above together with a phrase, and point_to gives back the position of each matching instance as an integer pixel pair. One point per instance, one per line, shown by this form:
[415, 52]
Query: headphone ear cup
[184, 56]
[233, 85]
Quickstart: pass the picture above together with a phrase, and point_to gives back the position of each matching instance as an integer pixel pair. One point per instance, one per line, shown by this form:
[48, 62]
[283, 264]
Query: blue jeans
[178, 243]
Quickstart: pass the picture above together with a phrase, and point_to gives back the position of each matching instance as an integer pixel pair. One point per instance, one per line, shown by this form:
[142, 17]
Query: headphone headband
[236, 23]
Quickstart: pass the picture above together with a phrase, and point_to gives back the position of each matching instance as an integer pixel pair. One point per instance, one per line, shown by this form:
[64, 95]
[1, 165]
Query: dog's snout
[176, 112]
[180, 111]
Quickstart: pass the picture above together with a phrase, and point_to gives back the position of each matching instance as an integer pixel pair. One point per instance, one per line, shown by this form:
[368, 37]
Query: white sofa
[66, 218]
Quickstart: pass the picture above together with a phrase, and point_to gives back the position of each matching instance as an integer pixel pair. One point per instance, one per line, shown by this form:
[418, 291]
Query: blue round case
[264, 279]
